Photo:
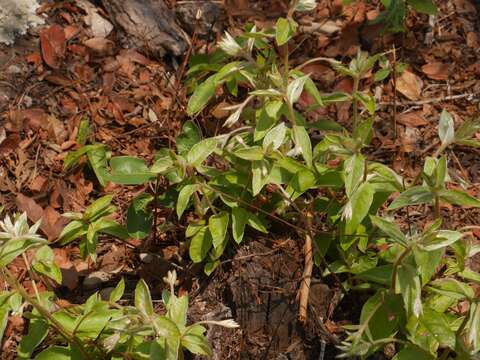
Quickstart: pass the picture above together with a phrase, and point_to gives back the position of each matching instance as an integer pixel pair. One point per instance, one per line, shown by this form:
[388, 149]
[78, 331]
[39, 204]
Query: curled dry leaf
[99, 45]
[410, 85]
[412, 119]
[436, 70]
[53, 44]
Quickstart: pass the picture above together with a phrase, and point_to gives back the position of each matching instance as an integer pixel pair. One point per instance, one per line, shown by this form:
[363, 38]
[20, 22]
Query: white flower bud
[306, 5]
[230, 45]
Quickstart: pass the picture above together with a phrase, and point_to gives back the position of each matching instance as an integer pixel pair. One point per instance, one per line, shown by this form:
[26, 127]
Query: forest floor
[135, 107]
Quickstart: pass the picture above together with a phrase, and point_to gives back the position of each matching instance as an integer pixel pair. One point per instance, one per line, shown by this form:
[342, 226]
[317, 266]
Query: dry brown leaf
[101, 46]
[409, 85]
[53, 43]
[436, 70]
[52, 222]
[38, 184]
[412, 119]
[69, 272]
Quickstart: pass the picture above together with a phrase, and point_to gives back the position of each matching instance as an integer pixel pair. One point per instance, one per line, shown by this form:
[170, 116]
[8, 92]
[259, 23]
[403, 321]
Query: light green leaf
[55, 353]
[239, 220]
[295, 88]
[302, 140]
[414, 196]
[274, 138]
[117, 293]
[438, 327]
[202, 94]
[74, 230]
[129, 170]
[409, 285]
[457, 197]
[284, 30]
[440, 239]
[218, 225]
[200, 151]
[446, 130]
[184, 197]
[358, 206]
[37, 332]
[389, 228]
[143, 300]
[353, 169]
[250, 153]
[200, 245]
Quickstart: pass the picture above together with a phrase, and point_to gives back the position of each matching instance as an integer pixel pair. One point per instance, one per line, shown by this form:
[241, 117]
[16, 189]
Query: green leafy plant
[97, 329]
[267, 165]
[89, 225]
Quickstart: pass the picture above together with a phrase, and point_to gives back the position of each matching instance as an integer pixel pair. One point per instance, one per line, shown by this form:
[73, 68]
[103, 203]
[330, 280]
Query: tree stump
[149, 25]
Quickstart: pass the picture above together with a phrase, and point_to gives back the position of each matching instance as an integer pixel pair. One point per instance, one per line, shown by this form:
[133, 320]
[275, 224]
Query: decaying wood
[148, 24]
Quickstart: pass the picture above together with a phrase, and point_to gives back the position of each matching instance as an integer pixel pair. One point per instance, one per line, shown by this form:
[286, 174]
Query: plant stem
[356, 82]
[437, 206]
[397, 263]
[394, 77]
[70, 338]
[30, 273]
[304, 291]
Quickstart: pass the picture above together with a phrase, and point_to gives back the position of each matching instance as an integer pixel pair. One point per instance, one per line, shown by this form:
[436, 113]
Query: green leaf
[184, 197]
[383, 311]
[239, 220]
[193, 228]
[74, 230]
[379, 274]
[410, 352]
[139, 218]
[210, 267]
[358, 206]
[390, 229]
[218, 225]
[274, 138]
[117, 293]
[423, 6]
[129, 170]
[367, 100]
[177, 311]
[353, 169]
[460, 198]
[381, 74]
[143, 300]
[97, 157]
[189, 136]
[446, 130]
[13, 248]
[45, 264]
[196, 344]
[202, 94]
[414, 196]
[408, 284]
[55, 353]
[438, 327]
[302, 140]
[98, 207]
[451, 288]
[37, 332]
[303, 180]
[284, 30]
[295, 88]
[200, 245]
[255, 222]
[200, 151]
[250, 153]
[440, 239]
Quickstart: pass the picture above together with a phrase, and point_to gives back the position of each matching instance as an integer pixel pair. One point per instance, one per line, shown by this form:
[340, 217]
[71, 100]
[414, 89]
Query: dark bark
[148, 25]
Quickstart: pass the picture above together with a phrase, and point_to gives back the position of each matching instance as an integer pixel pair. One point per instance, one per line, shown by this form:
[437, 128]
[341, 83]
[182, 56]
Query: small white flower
[18, 229]
[228, 323]
[230, 45]
[306, 5]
